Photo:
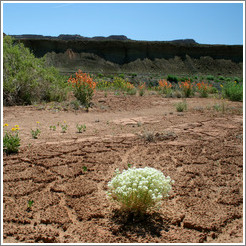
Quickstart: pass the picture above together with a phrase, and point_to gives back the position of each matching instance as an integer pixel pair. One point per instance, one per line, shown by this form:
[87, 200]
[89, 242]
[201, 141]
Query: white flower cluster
[138, 189]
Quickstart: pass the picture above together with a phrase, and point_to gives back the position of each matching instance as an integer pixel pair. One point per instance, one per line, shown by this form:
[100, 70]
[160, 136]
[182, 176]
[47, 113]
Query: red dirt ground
[201, 149]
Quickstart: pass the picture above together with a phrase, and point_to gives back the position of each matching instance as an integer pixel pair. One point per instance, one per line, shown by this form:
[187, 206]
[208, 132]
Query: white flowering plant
[139, 189]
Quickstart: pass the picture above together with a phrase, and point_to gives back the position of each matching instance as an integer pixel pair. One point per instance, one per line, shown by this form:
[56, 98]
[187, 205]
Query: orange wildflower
[164, 84]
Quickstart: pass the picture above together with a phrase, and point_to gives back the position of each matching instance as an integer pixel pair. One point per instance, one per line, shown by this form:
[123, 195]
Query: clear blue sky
[207, 23]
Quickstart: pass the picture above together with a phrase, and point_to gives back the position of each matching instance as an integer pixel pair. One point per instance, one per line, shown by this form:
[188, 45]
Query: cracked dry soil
[202, 150]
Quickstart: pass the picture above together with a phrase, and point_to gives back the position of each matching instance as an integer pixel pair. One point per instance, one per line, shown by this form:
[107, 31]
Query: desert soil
[201, 149]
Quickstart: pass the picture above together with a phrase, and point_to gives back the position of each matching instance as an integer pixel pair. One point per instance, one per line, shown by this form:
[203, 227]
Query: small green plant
[138, 190]
[220, 107]
[11, 140]
[216, 107]
[75, 104]
[84, 168]
[35, 132]
[30, 203]
[177, 93]
[53, 128]
[129, 165]
[64, 127]
[148, 136]
[81, 128]
[181, 106]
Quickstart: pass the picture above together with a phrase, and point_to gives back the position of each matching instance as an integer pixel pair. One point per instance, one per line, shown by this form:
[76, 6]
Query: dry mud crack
[203, 153]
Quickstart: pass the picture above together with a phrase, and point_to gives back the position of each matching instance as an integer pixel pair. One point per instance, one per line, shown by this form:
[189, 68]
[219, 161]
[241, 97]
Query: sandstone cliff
[118, 53]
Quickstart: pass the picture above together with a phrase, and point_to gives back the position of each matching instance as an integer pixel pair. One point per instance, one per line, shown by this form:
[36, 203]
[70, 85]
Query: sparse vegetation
[64, 127]
[81, 128]
[181, 106]
[53, 128]
[35, 132]
[148, 136]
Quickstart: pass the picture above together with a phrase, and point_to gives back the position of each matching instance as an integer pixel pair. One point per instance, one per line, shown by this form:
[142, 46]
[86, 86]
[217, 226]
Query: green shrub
[27, 79]
[83, 87]
[131, 91]
[210, 77]
[233, 91]
[183, 79]
[122, 75]
[172, 78]
[187, 88]
[237, 79]
[181, 106]
[212, 90]
[139, 189]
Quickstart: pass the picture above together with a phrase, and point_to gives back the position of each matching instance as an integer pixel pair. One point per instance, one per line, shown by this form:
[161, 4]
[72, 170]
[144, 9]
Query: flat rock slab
[135, 121]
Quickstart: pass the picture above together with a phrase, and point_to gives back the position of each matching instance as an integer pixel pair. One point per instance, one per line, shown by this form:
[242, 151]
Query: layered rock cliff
[118, 53]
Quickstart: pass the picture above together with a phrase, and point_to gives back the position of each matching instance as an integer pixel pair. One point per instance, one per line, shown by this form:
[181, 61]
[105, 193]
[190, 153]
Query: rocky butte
[117, 53]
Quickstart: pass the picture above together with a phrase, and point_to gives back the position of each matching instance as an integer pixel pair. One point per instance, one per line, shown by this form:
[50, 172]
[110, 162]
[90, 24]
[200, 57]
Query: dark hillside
[118, 53]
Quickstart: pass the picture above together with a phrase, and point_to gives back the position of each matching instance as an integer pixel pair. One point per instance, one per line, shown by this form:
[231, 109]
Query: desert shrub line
[27, 79]
[233, 91]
